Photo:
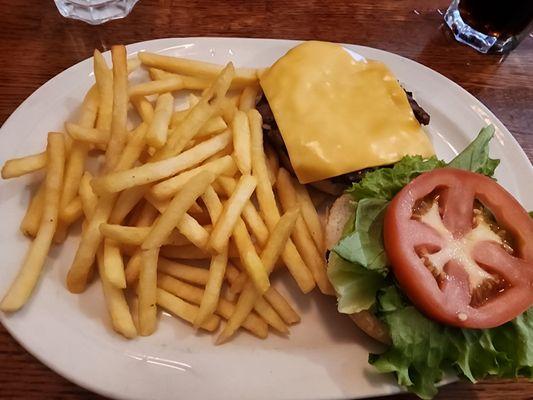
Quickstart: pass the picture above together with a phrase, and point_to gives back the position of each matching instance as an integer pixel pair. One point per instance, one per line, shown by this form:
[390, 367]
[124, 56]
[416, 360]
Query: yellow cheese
[339, 115]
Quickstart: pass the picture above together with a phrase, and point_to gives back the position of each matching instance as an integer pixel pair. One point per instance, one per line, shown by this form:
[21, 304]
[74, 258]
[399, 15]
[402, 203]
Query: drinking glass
[95, 12]
[495, 26]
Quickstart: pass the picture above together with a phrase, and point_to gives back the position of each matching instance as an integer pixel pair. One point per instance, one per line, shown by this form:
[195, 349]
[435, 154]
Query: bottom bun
[371, 325]
[339, 214]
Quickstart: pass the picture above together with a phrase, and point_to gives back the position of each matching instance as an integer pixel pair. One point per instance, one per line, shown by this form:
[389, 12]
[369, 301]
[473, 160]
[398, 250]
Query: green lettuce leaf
[363, 244]
[384, 183]
[475, 157]
[418, 352]
[505, 351]
[423, 350]
[356, 286]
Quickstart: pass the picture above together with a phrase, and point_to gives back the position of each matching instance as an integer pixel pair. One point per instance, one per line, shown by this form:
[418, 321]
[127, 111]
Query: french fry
[91, 236]
[191, 252]
[243, 76]
[304, 242]
[198, 115]
[144, 108]
[278, 237]
[231, 213]
[210, 299]
[267, 312]
[146, 219]
[226, 151]
[282, 306]
[169, 187]
[89, 108]
[21, 166]
[184, 310]
[32, 219]
[189, 82]
[171, 84]
[133, 268]
[188, 273]
[178, 116]
[272, 163]
[117, 306]
[250, 260]
[272, 251]
[129, 235]
[114, 264]
[241, 142]
[147, 291]
[87, 134]
[23, 285]
[104, 82]
[269, 209]
[126, 201]
[157, 74]
[75, 164]
[162, 204]
[90, 240]
[229, 108]
[224, 308]
[182, 271]
[310, 216]
[119, 116]
[251, 216]
[212, 126]
[248, 98]
[87, 196]
[212, 203]
[72, 212]
[219, 262]
[158, 129]
[154, 171]
[177, 209]
[135, 235]
[188, 226]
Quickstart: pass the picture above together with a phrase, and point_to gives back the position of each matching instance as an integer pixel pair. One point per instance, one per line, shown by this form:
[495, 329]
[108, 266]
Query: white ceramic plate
[325, 356]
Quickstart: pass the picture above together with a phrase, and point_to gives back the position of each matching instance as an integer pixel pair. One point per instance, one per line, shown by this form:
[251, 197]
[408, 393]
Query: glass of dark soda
[490, 26]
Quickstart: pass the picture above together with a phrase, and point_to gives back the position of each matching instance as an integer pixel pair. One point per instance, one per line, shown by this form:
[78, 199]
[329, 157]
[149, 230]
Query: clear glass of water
[95, 12]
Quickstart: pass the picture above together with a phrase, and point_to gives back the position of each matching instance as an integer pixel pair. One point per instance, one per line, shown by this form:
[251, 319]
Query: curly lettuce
[423, 350]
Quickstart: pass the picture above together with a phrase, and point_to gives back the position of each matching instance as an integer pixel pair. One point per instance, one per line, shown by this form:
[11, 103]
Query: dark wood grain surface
[36, 43]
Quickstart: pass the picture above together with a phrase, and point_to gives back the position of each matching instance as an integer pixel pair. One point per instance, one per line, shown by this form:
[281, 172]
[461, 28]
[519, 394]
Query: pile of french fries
[182, 212]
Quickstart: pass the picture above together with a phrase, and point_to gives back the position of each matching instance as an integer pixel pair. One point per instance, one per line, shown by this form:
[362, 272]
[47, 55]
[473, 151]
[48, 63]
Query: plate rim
[132, 48]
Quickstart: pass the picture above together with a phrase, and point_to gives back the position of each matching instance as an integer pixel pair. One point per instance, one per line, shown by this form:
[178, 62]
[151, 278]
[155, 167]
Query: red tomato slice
[442, 259]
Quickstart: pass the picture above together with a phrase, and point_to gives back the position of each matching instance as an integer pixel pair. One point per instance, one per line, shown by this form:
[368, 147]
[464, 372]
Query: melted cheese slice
[339, 115]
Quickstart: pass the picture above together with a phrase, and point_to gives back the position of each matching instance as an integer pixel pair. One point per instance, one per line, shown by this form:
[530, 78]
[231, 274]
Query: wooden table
[36, 43]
